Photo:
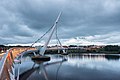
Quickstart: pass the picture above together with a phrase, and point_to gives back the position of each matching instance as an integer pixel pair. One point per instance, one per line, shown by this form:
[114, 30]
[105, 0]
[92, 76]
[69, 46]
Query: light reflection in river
[76, 67]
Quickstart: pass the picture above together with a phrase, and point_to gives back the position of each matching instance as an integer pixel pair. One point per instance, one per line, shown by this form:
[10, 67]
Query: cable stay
[42, 50]
[59, 42]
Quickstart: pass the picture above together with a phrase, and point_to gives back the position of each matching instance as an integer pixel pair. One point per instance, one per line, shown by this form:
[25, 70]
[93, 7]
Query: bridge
[7, 68]
[6, 63]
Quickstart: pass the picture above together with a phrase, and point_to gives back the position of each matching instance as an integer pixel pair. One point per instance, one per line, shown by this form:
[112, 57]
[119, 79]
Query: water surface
[73, 67]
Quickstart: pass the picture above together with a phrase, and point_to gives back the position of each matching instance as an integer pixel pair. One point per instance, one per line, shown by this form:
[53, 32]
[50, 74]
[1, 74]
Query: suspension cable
[41, 36]
[56, 37]
[59, 41]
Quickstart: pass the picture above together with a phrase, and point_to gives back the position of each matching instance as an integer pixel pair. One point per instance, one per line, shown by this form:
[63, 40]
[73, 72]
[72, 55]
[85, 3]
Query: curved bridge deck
[6, 63]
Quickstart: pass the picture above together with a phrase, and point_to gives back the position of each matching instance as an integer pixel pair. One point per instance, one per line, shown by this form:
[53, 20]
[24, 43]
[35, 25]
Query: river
[72, 67]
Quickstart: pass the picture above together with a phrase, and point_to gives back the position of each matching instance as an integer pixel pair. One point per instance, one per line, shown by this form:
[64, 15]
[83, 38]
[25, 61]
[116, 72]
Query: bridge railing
[6, 63]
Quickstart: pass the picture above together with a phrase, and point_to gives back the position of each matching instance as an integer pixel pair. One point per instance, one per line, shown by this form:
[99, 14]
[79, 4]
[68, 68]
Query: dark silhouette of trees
[112, 48]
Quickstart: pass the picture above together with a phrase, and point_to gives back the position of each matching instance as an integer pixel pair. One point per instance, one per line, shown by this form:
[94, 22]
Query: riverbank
[81, 51]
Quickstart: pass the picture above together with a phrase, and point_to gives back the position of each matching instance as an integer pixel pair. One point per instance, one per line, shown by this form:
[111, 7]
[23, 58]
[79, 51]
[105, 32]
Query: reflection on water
[74, 67]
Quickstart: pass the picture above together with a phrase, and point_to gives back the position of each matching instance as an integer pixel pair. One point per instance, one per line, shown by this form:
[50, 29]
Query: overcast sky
[82, 21]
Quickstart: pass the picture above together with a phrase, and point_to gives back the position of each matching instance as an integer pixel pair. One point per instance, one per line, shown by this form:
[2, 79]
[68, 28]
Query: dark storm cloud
[25, 18]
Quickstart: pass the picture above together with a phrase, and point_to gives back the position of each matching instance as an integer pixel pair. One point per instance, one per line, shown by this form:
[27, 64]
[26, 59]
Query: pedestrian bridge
[8, 60]
[6, 63]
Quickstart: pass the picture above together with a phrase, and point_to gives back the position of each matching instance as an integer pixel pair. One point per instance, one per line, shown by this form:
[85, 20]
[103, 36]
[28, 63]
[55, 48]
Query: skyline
[82, 22]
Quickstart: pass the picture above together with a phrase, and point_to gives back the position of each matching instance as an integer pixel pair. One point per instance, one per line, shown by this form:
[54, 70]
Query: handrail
[7, 61]
[3, 62]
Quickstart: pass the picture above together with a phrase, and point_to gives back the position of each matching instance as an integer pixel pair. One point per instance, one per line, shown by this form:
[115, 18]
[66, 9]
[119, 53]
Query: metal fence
[6, 63]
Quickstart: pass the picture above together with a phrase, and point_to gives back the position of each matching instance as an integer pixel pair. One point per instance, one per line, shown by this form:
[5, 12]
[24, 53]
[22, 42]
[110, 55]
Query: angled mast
[42, 50]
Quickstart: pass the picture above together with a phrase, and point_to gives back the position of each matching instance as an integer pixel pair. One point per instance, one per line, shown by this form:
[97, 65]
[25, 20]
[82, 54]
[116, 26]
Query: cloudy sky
[82, 21]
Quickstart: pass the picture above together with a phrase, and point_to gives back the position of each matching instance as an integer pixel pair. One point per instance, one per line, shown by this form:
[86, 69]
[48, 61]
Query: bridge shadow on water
[75, 67]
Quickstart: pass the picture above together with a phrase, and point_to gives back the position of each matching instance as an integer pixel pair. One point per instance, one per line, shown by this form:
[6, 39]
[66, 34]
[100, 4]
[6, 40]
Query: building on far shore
[93, 47]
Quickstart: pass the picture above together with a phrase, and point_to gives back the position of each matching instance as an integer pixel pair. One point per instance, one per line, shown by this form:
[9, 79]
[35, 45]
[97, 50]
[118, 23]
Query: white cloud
[112, 38]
